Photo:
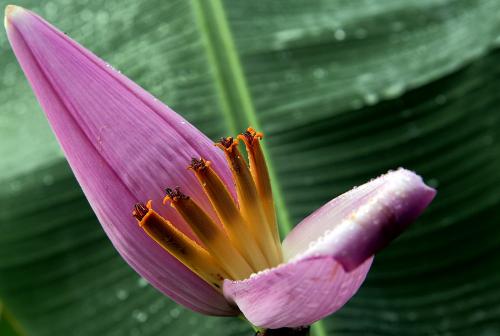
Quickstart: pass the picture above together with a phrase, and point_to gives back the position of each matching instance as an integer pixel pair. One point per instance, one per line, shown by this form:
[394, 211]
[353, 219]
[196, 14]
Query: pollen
[243, 237]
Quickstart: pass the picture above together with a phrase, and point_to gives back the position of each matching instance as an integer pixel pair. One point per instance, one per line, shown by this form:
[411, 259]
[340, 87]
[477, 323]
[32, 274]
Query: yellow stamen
[248, 199]
[236, 227]
[179, 245]
[211, 234]
[260, 175]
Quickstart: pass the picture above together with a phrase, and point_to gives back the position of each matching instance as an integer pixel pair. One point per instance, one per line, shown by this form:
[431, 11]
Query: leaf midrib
[233, 92]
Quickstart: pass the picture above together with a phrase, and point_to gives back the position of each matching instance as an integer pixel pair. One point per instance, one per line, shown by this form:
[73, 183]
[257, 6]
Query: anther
[251, 206]
[236, 227]
[211, 234]
[250, 135]
[227, 143]
[260, 176]
[140, 210]
[198, 164]
[175, 194]
[180, 246]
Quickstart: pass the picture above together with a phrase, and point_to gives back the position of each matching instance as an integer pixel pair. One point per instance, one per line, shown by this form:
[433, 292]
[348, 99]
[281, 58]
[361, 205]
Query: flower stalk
[300, 331]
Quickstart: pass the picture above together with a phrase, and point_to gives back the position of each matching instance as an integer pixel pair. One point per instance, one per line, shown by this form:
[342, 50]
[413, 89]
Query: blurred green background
[344, 91]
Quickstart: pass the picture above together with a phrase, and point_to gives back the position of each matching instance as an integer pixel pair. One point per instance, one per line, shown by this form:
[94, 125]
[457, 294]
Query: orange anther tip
[149, 204]
[227, 143]
[166, 199]
[254, 133]
[198, 164]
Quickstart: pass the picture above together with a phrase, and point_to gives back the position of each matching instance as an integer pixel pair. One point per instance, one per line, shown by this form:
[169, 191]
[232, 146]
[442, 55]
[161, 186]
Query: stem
[301, 331]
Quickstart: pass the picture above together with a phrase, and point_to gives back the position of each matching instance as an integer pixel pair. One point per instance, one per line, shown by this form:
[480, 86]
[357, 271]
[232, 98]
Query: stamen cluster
[245, 238]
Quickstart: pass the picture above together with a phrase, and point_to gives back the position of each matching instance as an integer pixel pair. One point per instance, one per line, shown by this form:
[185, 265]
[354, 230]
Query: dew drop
[360, 33]
[140, 316]
[339, 34]
[86, 15]
[370, 98]
[15, 185]
[175, 312]
[394, 90]
[122, 294]
[319, 73]
[406, 113]
[48, 180]
[102, 18]
[141, 282]
[356, 104]
[440, 99]
[488, 140]
[397, 26]
[134, 332]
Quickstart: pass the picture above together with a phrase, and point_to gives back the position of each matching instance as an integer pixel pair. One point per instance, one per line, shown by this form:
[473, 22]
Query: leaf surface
[343, 90]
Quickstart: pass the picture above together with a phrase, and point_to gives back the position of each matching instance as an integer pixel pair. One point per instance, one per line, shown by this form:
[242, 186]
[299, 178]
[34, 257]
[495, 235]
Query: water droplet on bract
[141, 282]
[339, 34]
[312, 244]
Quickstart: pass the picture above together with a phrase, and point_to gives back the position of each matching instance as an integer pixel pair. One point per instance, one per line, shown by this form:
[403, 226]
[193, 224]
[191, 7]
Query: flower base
[302, 331]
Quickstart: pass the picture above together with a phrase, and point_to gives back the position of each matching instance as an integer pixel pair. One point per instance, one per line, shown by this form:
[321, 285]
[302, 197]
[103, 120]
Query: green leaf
[7, 325]
[344, 90]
